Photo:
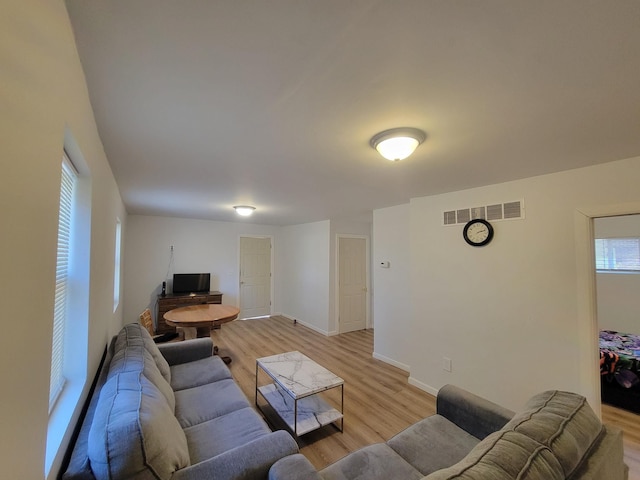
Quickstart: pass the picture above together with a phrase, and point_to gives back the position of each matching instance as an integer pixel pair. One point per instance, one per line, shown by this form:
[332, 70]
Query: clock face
[478, 232]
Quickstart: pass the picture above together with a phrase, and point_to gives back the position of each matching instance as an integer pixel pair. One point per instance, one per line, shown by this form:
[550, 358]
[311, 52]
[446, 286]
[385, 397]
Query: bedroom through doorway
[617, 279]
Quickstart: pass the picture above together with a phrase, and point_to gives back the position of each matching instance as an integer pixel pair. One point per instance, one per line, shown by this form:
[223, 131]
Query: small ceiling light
[244, 210]
[397, 143]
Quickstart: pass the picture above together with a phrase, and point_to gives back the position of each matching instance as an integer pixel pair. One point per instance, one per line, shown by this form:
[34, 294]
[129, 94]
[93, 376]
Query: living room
[514, 319]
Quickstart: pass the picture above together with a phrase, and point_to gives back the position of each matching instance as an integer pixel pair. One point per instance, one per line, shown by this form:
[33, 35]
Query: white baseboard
[261, 317]
[308, 325]
[390, 361]
[423, 386]
[314, 328]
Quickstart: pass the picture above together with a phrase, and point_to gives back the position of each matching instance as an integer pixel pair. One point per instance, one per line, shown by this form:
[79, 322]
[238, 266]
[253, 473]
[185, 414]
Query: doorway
[255, 277]
[617, 245]
[588, 333]
[353, 283]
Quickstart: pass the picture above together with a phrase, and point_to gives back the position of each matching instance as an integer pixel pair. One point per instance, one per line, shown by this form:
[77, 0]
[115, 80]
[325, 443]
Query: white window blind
[60, 315]
[116, 271]
[618, 254]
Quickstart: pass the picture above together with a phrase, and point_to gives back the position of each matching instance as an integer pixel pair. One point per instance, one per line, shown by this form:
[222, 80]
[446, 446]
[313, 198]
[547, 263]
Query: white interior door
[352, 286]
[255, 277]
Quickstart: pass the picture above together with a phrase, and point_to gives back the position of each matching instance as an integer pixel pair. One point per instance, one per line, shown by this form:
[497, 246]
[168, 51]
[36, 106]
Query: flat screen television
[191, 282]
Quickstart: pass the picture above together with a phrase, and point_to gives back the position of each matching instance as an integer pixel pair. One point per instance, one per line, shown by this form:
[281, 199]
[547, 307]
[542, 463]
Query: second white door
[255, 277]
[352, 287]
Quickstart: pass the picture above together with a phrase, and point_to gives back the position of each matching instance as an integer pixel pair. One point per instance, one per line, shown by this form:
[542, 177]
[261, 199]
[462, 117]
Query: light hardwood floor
[630, 425]
[378, 400]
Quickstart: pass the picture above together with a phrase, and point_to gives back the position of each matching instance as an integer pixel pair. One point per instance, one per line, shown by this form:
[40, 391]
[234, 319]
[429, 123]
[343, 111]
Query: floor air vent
[498, 211]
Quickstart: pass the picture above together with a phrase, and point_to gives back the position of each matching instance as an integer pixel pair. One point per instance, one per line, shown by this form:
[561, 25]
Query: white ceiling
[205, 104]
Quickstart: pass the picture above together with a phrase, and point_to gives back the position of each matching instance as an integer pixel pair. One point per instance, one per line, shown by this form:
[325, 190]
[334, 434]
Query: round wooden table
[210, 315]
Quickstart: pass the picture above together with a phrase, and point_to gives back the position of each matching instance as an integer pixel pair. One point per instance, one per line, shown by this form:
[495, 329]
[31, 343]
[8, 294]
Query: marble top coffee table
[294, 393]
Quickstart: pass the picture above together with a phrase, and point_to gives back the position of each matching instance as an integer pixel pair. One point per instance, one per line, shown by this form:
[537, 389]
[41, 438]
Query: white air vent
[450, 218]
[494, 212]
[512, 210]
[478, 212]
[497, 211]
[463, 216]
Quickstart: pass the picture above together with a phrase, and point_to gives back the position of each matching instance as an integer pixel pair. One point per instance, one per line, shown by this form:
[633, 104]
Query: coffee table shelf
[313, 412]
[295, 392]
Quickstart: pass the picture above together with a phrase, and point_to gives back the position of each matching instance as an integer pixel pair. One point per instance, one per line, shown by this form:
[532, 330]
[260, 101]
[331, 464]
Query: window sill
[60, 427]
[619, 272]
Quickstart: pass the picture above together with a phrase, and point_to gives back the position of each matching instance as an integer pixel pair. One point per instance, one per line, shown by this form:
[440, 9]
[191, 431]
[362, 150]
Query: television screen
[191, 282]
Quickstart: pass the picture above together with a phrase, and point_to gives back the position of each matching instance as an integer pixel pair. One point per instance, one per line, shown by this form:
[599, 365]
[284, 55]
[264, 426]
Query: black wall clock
[478, 232]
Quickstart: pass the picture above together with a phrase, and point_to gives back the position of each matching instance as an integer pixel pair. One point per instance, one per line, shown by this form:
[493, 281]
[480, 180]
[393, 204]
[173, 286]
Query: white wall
[305, 274]
[304, 262]
[506, 314]
[392, 295]
[617, 293]
[199, 246]
[43, 92]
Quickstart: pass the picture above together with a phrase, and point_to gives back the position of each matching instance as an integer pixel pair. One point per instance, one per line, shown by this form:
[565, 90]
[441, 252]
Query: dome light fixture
[244, 210]
[397, 143]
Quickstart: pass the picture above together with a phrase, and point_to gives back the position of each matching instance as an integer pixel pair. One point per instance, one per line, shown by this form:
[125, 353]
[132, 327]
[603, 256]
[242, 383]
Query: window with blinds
[60, 315]
[618, 254]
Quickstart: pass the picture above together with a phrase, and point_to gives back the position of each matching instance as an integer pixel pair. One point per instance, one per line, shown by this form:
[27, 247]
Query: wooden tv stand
[171, 301]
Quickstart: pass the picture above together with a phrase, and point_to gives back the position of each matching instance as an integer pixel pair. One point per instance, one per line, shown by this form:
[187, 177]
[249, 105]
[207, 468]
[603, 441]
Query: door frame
[367, 323]
[271, 267]
[586, 295]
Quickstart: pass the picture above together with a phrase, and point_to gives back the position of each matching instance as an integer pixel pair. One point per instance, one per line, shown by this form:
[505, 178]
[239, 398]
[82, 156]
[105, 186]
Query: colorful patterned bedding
[620, 358]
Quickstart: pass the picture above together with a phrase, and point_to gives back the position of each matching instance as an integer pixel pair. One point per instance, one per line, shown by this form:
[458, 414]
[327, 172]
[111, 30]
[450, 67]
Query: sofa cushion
[216, 436]
[134, 334]
[433, 443]
[153, 349]
[206, 402]
[375, 462]
[504, 455]
[474, 414]
[198, 372]
[134, 434]
[563, 421]
[137, 359]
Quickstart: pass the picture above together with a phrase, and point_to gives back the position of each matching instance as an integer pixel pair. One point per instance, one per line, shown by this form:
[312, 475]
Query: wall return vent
[494, 212]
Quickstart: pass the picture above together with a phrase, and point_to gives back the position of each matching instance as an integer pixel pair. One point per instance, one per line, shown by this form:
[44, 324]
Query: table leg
[189, 332]
[225, 359]
[295, 418]
[342, 407]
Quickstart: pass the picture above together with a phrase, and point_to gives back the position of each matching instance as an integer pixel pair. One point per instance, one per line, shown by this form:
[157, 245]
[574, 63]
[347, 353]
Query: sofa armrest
[293, 467]
[186, 351]
[605, 459]
[249, 461]
[472, 413]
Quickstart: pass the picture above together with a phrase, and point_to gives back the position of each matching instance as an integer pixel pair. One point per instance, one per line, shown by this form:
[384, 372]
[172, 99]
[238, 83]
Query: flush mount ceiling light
[244, 210]
[397, 143]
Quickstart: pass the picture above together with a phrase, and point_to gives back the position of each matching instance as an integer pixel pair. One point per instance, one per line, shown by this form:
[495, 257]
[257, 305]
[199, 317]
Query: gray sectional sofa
[556, 436]
[171, 411]
[174, 412]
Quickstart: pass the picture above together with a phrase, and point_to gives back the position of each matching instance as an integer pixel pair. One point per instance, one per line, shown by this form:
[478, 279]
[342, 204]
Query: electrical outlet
[446, 364]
